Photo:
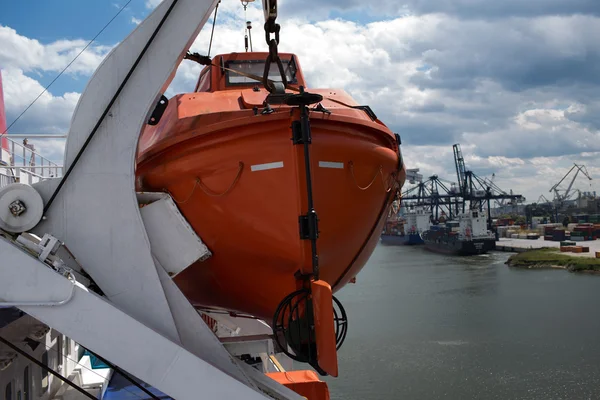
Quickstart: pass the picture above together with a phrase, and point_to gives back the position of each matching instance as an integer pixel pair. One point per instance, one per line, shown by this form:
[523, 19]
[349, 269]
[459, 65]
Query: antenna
[247, 33]
[249, 30]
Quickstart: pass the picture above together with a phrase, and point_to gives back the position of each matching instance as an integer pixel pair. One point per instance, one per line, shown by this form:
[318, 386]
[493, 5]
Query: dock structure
[521, 245]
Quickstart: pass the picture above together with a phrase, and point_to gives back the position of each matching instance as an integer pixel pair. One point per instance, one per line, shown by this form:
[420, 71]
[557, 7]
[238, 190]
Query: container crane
[560, 198]
[478, 191]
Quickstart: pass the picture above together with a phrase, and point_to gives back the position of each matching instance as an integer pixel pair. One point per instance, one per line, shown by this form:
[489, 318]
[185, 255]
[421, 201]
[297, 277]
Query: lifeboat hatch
[174, 243]
[313, 324]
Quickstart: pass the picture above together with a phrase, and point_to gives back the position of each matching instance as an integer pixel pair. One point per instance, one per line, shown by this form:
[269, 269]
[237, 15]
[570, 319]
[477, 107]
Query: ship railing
[21, 163]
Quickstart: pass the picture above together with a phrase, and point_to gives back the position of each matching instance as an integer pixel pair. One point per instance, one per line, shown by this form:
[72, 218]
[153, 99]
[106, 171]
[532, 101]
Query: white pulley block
[21, 208]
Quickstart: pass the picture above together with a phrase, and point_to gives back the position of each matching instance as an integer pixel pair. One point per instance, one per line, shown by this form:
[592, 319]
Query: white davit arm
[96, 212]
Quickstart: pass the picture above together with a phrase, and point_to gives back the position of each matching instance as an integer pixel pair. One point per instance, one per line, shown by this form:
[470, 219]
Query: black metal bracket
[319, 108]
[159, 110]
[277, 98]
[398, 139]
[309, 226]
[297, 134]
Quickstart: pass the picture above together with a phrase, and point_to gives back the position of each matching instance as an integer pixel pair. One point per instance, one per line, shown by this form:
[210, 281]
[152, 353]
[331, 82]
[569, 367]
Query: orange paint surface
[305, 383]
[240, 182]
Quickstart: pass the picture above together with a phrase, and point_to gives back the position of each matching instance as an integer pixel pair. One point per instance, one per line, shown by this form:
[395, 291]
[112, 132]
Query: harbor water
[428, 326]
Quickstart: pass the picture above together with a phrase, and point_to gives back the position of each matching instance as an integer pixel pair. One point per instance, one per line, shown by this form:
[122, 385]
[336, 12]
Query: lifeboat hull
[240, 181]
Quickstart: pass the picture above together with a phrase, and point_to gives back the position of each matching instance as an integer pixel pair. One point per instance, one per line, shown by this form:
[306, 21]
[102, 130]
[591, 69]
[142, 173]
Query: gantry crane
[560, 198]
[478, 191]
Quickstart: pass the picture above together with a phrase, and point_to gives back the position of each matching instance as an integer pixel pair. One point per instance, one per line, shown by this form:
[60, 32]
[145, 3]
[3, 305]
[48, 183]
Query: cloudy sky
[516, 83]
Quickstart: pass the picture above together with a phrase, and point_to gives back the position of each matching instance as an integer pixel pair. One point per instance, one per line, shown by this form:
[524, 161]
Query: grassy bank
[553, 258]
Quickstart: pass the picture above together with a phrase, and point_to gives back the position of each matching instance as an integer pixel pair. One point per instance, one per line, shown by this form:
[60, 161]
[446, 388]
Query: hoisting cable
[65, 68]
[108, 107]
[213, 28]
[46, 368]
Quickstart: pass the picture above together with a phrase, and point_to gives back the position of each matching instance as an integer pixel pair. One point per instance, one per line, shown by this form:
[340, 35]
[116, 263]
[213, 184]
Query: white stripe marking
[331, 164]
[262, 167]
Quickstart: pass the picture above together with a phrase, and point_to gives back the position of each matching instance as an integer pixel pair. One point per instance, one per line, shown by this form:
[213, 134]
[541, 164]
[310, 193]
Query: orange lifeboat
[234, 158]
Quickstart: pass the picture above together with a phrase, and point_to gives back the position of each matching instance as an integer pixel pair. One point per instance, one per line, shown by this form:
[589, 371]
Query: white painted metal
[239, 326]
[30, 198]
[105, 329]
[97, 213]
[22, 163]
[43, 303]
[193, 332]
[262, 167]
[173, 241]
[253, 346]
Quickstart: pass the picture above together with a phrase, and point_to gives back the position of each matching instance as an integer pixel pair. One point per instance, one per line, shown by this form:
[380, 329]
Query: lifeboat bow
[288, 187]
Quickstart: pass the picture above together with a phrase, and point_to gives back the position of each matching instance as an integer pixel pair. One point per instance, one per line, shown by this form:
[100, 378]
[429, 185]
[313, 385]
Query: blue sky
[516, 83]
[48, 21]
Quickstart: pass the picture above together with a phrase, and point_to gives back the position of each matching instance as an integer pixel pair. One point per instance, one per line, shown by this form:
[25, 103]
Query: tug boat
[233, 158]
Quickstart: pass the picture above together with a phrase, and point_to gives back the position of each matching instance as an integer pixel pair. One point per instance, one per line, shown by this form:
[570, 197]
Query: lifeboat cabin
[290, 208]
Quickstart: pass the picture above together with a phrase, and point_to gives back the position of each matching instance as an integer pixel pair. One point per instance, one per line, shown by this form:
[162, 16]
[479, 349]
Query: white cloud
[27, 54]
[518, 93]
[135, 21]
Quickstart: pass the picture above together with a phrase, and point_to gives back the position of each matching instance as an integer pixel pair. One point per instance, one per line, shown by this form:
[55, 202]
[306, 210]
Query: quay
[521, 245]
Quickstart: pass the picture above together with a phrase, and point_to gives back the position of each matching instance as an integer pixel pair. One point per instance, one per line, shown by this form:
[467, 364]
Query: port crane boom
[559, 198]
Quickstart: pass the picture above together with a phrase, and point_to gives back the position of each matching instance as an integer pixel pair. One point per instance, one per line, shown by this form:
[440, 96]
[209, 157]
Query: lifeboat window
[257, 67]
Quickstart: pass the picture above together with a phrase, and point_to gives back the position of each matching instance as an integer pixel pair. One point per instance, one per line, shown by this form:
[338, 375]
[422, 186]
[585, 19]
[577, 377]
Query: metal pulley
[270, 9]
[21, 208]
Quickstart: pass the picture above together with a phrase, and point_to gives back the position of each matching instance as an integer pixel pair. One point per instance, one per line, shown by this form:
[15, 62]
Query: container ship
[406, 230]
[418, 220]
[467, 236]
